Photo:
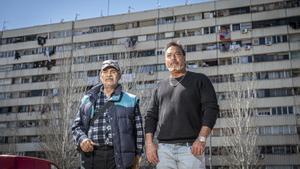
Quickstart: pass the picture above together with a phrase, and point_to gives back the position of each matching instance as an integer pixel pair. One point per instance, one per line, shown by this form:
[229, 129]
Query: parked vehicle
[24, 162]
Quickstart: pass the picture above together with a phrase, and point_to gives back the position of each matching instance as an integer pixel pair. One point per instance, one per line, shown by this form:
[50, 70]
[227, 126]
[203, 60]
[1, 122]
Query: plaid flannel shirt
[100, 132]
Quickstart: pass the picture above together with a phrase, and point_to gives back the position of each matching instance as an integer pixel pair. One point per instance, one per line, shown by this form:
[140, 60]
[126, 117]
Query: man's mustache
[174, 63]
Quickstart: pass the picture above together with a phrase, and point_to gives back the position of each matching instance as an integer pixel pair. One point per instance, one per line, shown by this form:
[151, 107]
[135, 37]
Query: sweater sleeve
[210, 107]
[151, 117]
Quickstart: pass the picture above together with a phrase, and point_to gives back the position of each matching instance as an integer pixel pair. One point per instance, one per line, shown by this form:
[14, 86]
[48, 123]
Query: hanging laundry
[52, 50]
[48, 51]
[235, 47]
[295, 25]
[44, 51]
[225, 36]
[49, 65]
[294, 22]
[17, 55]
[131, 41]
[224, 47]
[49, 59]
[41, 40]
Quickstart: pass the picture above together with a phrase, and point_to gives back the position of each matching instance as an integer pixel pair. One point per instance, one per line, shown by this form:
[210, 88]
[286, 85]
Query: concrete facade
[254, 36]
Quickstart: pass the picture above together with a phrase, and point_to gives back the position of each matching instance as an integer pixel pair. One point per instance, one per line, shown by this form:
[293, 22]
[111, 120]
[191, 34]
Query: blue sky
[26, 13]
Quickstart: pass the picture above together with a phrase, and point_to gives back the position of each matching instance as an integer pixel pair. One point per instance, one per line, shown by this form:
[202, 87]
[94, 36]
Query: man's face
[110, 77]
[174, 59]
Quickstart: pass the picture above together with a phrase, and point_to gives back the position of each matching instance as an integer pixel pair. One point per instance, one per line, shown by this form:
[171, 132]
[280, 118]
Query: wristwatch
[202, 139]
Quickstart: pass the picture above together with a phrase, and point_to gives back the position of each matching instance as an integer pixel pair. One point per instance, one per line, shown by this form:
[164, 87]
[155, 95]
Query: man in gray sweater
[184, 109]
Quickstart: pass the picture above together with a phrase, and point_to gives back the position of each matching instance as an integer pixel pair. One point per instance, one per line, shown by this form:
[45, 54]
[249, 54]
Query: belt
[179, 144]
[184, 144]
[103, 147]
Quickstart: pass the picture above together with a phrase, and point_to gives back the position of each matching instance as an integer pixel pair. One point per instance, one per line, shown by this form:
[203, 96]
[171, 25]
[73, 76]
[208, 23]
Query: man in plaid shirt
[115, 139]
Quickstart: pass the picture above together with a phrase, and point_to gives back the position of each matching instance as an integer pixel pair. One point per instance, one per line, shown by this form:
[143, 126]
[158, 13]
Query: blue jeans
[178, 156]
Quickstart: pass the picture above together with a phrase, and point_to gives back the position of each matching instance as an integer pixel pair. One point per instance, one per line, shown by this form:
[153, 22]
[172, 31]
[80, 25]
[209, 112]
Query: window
[169, 34]
[293, 4]
[295, 38]
[192, 65]
[268, 40]
[261, 41]
[191, 17]
[284, 110]
[295, 54]
[236, 27]
[279, 112]
[212, 29]
[166, 20]
[159, 52]
[23, 108]
[290, 110]
[3, 124]
[282, 149]
[269, 23]
[147, 23]
[246, 26]
[92, 73]
[191, 48]
[161, 67]
[25, 80]
[216, 132]
[206, 30]
[35, 93]
[245, 59]
[237, 11]
[105, 28]
[264, 112]
[207, 15]
[5, 81]
[278, 150]
[3, 139]
[151, 37]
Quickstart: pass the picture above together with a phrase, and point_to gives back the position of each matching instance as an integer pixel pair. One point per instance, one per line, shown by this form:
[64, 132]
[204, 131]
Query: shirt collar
[116, 95]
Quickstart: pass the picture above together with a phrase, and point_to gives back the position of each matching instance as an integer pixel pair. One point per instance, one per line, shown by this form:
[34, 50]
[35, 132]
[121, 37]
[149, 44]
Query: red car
[24, 162]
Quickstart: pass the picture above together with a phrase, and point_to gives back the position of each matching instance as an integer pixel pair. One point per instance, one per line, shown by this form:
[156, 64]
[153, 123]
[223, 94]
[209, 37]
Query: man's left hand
[136, 162]
[198, 148]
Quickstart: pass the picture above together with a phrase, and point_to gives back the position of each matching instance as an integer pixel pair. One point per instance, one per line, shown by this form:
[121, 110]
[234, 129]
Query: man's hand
[136, 163]
[151, 153]
[87, 145]
[198, 148]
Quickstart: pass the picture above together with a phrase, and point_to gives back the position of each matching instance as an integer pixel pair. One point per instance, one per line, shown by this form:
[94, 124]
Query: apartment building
[261, 37]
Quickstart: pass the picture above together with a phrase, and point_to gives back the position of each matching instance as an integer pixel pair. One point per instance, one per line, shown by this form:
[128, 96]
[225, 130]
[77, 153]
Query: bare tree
[139, 80]
[57, 141]
[241, 148]
[135, 79]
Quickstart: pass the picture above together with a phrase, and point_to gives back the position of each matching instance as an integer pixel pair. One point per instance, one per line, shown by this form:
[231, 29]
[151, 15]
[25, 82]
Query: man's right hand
[151, 153]
[87, 145]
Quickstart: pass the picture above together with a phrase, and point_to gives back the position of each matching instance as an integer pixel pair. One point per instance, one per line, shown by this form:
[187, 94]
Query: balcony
[267, 15]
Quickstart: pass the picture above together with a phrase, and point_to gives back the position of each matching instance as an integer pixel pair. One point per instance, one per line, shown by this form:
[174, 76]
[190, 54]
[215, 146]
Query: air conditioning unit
[245, 31]
[247, 47]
